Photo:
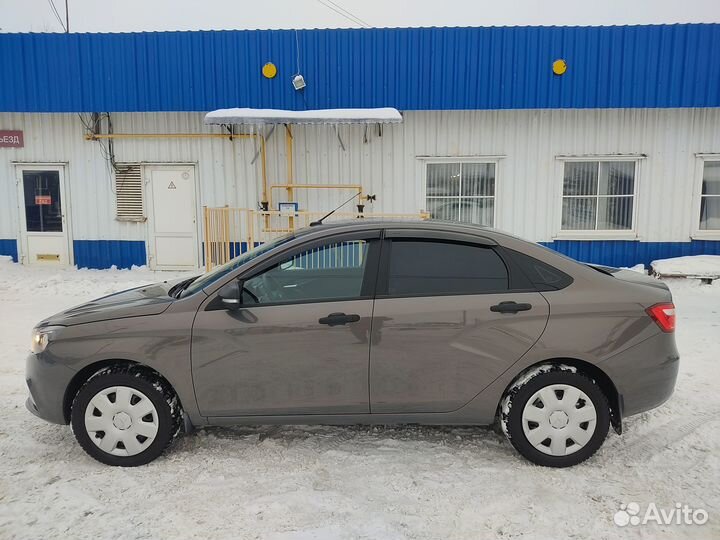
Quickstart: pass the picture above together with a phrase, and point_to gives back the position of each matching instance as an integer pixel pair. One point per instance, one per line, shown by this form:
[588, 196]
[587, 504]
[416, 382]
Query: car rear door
[299, 343]
[449, 319]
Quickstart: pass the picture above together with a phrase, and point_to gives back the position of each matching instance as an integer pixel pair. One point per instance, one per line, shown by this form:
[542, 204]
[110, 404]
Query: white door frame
[64, 196]
[148, 195]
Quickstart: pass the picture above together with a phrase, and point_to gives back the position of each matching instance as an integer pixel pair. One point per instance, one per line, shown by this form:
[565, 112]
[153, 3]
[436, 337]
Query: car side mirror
[229, 294]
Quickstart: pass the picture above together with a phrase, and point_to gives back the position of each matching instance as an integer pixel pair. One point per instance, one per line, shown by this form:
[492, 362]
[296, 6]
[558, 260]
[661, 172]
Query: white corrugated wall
[389, 165]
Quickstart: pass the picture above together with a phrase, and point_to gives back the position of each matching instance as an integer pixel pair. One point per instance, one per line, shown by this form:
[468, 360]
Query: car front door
[299, 341]
[446, 323]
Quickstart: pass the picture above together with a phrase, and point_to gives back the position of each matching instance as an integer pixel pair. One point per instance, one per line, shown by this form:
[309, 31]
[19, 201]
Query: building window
[598, 196]
[461, 191]
[710, 197]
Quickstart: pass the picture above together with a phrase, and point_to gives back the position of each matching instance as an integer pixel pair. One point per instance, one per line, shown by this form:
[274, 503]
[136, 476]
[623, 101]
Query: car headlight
[42, 336]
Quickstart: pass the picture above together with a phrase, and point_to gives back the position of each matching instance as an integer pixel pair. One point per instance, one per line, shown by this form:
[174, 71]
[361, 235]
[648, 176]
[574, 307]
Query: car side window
[430, 268]
[543, 276]
[329, 272]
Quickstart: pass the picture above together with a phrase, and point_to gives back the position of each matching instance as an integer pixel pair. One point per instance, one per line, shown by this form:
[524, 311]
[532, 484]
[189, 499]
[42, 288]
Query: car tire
[557, 417]
[125, 416]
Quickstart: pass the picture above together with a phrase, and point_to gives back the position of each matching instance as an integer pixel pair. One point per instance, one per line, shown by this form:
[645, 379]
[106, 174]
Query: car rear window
[428, 268]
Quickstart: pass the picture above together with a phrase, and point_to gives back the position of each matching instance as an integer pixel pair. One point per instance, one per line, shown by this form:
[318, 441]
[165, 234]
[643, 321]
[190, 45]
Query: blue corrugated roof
[410, 69]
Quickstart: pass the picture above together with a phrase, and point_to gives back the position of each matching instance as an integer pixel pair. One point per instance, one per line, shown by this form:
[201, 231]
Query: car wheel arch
[590, 370]
[89, 371]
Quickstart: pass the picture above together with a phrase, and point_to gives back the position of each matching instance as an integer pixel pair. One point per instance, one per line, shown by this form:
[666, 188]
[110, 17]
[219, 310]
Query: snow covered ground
[355, 482]
[693, 265]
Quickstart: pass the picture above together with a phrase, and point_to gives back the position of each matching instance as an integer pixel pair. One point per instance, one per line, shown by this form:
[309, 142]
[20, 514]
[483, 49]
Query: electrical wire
[55, 12]
[107, 152]
[57, 15]
[350, 13]
[297, 59]
[343, 12]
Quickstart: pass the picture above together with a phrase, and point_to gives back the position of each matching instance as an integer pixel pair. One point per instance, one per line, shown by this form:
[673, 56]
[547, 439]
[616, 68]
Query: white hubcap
[121, 421]
[559, 419]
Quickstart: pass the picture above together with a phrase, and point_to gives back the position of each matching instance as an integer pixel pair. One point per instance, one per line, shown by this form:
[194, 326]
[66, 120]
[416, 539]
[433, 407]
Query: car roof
[385, 223]
[361, 224]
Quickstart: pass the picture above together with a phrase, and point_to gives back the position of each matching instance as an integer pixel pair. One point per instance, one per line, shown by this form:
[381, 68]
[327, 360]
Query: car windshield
[217, 273]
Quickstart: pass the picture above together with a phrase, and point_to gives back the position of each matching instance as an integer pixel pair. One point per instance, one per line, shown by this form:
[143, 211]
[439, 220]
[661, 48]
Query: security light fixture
[298, 82]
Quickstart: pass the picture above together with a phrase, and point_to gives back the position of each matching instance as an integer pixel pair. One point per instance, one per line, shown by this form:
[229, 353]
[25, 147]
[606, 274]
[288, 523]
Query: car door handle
[337, 319]
[510, 307]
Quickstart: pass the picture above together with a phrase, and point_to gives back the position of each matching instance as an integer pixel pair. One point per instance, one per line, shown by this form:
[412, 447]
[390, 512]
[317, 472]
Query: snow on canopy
[384, 115]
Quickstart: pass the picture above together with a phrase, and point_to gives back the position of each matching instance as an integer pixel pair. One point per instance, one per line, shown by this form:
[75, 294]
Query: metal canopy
[246, 116]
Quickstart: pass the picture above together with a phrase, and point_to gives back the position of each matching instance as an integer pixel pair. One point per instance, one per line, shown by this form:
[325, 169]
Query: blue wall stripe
[630, 253]
[106, 253]
[8, 246]
[406, 68]
[125, 253]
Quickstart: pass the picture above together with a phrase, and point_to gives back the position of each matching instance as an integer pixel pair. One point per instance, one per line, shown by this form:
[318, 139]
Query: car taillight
[663, 315]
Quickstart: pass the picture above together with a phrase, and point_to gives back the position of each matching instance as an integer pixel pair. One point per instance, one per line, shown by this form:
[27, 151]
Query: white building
[615, 160]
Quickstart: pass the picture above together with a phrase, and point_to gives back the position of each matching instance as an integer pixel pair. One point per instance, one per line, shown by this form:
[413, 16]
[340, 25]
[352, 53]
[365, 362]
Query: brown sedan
[365, 322]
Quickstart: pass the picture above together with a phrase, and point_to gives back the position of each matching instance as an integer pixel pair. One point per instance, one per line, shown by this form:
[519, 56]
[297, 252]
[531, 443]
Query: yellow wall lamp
[559, 66]
[269, 70]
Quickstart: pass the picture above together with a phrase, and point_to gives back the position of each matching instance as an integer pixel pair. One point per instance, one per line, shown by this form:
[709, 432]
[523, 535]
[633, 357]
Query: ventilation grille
[129, 189]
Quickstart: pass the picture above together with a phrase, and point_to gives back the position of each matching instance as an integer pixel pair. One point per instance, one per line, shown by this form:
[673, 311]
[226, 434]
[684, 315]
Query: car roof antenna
[331, 212]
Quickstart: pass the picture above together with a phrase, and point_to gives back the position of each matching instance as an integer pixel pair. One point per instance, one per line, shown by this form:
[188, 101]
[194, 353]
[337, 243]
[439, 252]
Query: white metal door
[43, 204]
[172, 219]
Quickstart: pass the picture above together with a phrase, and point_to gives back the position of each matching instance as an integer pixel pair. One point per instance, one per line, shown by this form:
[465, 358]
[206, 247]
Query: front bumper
[645, 374]
[47, 381]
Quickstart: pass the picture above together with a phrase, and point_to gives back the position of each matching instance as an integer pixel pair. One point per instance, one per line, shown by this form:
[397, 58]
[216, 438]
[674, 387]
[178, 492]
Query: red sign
[43, 199]
[11, 138]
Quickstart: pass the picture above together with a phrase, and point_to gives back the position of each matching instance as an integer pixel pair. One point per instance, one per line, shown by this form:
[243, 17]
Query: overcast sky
[147, 15]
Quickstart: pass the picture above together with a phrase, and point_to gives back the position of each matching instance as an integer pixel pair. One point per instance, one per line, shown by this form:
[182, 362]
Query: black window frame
[517, 281]
[518, 261]
[36, 215]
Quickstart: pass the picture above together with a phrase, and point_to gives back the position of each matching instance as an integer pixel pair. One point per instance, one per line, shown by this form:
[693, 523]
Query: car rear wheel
[125, 416]
[556, 418]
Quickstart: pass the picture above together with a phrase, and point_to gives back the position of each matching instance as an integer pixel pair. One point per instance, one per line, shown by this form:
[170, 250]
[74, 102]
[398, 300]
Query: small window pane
[448, 209]
[615, 213]
[329, 272]
[478, 179]
[711, 178]
[578, 214]
[43, 207]
[443, 179]
[542, 275]
[439, 268]
[581, 178]
[710, 214]
[617, 178]
[478, 211]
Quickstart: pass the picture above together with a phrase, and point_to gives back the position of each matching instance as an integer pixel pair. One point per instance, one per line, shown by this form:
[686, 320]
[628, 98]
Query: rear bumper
[46, 381]
[645, 374]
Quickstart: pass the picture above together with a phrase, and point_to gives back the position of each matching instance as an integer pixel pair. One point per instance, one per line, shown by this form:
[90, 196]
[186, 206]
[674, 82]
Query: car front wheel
[125, 416]
[556, 418]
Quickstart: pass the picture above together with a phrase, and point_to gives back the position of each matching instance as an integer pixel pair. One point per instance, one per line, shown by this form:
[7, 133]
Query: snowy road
[356, 482]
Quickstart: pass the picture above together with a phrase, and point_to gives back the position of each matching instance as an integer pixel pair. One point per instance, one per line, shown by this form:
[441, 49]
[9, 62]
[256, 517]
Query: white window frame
[601, 234]
[434, 160]
[697, 232]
